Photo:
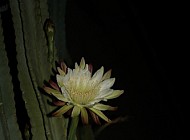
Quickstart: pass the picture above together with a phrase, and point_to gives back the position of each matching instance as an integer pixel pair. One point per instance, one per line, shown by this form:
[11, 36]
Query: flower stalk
[73, 128]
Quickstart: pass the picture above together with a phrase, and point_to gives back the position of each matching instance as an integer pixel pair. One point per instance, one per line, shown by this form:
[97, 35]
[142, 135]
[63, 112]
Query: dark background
[137, 40]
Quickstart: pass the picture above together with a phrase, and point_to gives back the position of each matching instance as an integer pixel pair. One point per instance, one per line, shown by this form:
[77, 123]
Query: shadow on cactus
[80, 93]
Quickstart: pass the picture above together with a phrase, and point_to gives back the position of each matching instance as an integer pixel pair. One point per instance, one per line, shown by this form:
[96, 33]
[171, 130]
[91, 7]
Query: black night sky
[136, 40]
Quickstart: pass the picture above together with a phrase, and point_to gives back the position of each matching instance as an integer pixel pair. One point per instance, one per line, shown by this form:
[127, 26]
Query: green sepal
[76, 111]
[84, 115]
[100, 114]
[62, 110]
[100, 106]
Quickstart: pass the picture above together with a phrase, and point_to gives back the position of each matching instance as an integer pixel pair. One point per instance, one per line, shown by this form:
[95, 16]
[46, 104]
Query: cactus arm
[26, 85]
[9, 129]
[34, 68]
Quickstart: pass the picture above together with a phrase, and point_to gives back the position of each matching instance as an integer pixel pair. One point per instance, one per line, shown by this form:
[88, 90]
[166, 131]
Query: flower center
[81, 91]
[82, 97]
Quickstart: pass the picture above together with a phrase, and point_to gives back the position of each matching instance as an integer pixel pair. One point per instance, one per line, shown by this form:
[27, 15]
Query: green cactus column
[9, 129]
[32, 68]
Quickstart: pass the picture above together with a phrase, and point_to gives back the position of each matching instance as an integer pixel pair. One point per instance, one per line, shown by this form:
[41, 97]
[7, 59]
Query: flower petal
[84, 115]
[96, 78]
[94, 101]
[62, 110]
[59, 103]
[56, 94]
[76, 66]
[107, 84]
[75, 111]
[107, 75]
[65, 92]
[59, 80]
[61, 97]
[100, 114]
[115, 94]
[54, 85]
[66, 78]
[61, 72]
[82, 63]
[86, 69]
[63, 67]
[50, 90]
[100, 106]
[104, 93]
[90, 68]
[95, 117]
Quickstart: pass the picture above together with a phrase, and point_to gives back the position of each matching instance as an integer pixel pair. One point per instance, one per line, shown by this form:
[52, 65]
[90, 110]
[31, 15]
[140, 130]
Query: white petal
[82, 63]
[106, 84]
[86, 68]
[87, 75]
[76, 66]
[107, 75]
[79, 78]
[115, 94]
[65, 93]
[93, 102]
[67, 76]
[104, 93]
[59, 80]
[61, 98]
[61, 72]
[96, 78]
[101, 96]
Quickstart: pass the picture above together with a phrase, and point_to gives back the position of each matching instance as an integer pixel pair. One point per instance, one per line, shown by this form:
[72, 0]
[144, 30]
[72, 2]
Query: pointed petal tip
[102, 68]
[100, 114]
[53, 85]
[47, 89]
[107, 75]
[112, 81]
[103, 107]
[122, 91]
[60, 71]
[76, 65]
[115, 94]
[95, 117]
[63, 66]
[113, 108]
[82, 63]
[82, 59]
[109, 121]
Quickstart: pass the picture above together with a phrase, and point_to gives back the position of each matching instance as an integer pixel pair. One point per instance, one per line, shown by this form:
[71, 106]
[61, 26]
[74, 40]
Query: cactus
[23, 107]
[9, 128]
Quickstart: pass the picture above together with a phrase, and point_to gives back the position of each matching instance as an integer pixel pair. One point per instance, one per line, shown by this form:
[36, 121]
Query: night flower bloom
[81, 91]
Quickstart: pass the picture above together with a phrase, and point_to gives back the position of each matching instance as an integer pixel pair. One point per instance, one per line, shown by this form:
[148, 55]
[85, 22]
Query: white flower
[82, 92]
